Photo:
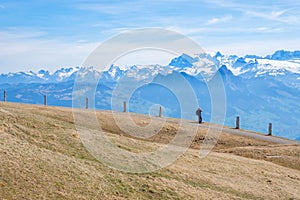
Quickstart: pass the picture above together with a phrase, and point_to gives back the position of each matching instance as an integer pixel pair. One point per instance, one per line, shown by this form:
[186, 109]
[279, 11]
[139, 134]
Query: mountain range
[258, 89]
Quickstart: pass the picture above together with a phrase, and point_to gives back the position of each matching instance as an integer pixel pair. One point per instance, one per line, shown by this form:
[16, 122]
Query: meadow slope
[42, 157]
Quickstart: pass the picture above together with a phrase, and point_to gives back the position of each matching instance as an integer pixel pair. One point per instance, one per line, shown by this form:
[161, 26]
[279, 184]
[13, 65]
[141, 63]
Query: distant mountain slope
[258, 89]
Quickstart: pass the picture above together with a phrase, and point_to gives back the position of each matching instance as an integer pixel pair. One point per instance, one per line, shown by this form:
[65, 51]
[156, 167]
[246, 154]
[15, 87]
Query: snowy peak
[86, 74]
[43, 74]
[201, 66]
[183, 61]
[64, 74]
[284, 55]
[218, 54]
[224, 71]
[251, 66]
[114, 73]
[253, 56]
[20, 77]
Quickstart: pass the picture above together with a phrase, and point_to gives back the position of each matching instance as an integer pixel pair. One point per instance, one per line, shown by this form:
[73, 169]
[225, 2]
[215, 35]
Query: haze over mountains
[258, 89]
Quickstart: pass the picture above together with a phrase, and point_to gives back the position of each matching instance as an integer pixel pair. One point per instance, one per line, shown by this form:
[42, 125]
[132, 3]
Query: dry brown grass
[285, 155]
[42, 157]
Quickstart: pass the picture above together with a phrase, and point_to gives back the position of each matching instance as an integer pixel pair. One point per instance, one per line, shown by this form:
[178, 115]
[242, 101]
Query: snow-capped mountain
[284, 55]
[255, 66]
[249, 66]
[258, 89]
[63, 74]
[42, 76]
[20, 77]
[270, 67]
[200, 66]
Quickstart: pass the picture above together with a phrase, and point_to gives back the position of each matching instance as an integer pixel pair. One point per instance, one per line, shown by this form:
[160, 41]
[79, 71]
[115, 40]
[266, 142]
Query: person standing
[198, 113]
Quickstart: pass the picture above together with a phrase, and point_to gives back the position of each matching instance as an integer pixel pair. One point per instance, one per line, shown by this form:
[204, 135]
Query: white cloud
[280, 15]
[236, 5]
[277, 14]
[219, 20]
[268, 30]
[232, 21]
[111, 8]
[258, 47]
[19, 52]
[202, 31]
[145, 57]
[283, 11]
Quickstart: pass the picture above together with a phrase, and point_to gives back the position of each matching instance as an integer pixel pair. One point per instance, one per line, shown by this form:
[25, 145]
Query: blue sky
[50, 34]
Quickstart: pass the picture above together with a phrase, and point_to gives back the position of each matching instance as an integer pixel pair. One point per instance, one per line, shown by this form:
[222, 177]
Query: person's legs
[199, 119]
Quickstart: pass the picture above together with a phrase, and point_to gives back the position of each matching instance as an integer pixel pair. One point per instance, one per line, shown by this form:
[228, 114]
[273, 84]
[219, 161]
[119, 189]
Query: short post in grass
[45, 100]
[4, 96]
[237, 122]
[160, 112]
[125, 109]
[86, 103]
[270, 129]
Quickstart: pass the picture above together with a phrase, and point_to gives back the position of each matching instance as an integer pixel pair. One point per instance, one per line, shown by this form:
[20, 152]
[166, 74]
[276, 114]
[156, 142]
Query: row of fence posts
[125, 109]
[4, 98]
[237, 123]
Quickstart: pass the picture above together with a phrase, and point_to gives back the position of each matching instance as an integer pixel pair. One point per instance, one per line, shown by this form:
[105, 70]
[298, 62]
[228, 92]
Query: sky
[50, 34]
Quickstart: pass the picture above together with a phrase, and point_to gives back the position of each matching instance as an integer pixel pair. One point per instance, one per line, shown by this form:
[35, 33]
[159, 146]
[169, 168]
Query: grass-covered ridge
[42, 157]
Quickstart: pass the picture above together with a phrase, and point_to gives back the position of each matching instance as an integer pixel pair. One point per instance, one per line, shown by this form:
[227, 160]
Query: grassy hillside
[42, 157]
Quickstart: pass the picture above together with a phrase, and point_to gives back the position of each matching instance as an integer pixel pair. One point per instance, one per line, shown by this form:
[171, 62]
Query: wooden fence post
[45, 100]
[86, 103]
[4, 96]
[237, 122]
[160, 112]
[125, 109]
[270, 129]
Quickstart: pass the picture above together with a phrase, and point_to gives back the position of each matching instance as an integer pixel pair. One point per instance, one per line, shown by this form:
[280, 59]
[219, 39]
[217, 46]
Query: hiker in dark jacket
[198, 113]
